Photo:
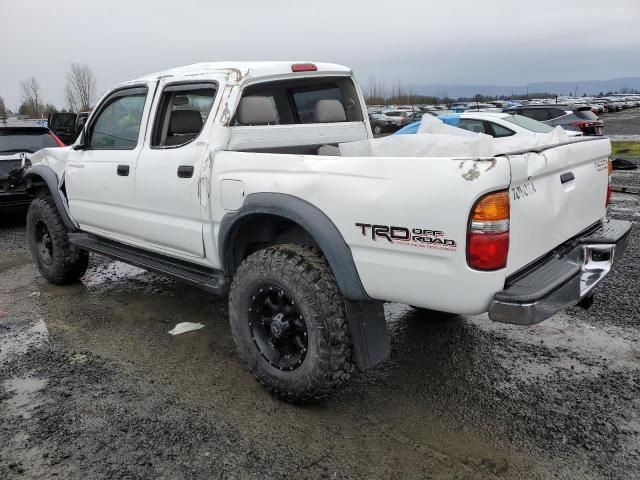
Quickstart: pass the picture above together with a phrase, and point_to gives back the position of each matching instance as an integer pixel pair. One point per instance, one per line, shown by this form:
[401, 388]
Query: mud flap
[369, 333]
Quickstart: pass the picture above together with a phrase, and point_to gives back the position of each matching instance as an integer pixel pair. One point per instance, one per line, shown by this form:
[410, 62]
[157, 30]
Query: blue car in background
[495, 124]
[452, 119]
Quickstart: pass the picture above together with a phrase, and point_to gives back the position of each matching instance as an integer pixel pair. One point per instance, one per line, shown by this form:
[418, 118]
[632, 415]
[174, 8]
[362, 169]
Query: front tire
[58, 261]
[377, 129]
[289, 323]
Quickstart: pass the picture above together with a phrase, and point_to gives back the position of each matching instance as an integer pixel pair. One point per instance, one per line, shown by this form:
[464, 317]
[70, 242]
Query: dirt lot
[92, 386]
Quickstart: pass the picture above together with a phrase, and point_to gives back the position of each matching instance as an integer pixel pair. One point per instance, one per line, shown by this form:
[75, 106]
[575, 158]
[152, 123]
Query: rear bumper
[562, 279]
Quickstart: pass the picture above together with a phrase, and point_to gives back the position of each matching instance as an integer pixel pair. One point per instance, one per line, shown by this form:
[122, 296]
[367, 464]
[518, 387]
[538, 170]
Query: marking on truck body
[415, 237]
[524, 190]
[601, 164]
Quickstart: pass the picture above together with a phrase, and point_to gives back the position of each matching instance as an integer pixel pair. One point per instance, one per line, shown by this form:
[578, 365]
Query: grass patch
[626, 148]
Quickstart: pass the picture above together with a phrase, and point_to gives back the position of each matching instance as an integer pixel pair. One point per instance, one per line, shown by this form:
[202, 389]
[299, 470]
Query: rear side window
[540, 114]
[181, 114]
[556, 112]
[528, 123]
[25, 140]
[499, 131]
[585, 114]
[475, 126]
[305, 101]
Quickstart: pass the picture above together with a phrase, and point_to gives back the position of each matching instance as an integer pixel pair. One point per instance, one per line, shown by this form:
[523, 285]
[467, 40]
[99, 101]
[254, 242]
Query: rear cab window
[295, 101]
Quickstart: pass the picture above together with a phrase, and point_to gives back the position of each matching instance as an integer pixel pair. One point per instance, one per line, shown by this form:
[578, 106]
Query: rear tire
[291, 286]
[377, 129]
[58, 261]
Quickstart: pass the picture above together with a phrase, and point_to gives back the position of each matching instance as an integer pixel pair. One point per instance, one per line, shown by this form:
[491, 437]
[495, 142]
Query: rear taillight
[582, 125]
[606, 203]
[58, 141]
[488, 232]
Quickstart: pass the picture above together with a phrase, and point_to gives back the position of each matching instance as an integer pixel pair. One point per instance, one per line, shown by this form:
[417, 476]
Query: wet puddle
[23, 395]
[18, 342]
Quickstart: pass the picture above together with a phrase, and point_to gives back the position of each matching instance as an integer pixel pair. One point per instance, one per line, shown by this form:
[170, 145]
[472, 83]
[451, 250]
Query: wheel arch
[43, 177]
[257, 220]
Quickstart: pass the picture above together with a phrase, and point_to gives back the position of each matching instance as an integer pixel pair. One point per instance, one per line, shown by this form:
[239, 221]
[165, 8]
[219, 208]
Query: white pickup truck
[229, 176]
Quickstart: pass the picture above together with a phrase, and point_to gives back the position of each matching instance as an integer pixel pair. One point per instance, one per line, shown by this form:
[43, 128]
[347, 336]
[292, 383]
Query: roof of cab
[242, 70]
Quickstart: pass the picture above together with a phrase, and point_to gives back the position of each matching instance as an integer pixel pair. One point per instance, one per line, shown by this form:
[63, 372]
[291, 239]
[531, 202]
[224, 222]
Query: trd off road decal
[415, 237]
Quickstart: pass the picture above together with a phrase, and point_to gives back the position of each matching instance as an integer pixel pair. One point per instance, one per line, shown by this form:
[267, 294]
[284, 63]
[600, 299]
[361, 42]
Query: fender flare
[309, 217]
[49, 177]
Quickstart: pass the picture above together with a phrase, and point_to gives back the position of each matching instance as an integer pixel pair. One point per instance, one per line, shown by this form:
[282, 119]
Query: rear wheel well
[257, 232]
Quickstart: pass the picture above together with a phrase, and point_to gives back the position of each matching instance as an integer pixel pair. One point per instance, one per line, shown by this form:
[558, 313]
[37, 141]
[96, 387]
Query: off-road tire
[305, 276]
[66, 263]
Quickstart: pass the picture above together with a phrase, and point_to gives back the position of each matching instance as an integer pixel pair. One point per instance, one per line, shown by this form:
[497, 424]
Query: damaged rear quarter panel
[426, 198]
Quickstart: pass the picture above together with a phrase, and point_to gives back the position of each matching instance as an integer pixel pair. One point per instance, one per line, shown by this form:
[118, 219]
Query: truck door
[169, 200]
[101, 169]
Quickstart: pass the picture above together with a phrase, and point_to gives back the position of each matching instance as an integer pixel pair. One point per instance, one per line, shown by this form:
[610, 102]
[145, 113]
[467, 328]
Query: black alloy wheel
[277, 327]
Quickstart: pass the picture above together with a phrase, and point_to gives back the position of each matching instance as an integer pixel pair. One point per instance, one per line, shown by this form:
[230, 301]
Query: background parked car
[67, 126]
[570, 117]
[15, 141]
[390, 120]
[495, 124]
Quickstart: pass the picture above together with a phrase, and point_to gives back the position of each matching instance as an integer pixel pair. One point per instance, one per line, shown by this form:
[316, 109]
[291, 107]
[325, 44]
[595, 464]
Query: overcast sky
[498, 42]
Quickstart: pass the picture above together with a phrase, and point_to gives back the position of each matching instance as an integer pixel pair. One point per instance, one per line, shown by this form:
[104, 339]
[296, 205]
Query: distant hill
[590, 87]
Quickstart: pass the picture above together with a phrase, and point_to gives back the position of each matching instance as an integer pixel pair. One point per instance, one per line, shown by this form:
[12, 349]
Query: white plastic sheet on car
[437, 139]
[185, 327]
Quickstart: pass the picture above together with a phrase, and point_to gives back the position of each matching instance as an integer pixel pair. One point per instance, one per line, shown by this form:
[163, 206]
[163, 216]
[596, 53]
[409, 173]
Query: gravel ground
[92, 386]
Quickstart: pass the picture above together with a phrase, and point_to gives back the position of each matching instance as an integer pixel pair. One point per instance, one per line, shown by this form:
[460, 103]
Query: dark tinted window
[63, 120]
[556, 112]
[305, 101]
[14, 140]
[118, 123]
[540, 114]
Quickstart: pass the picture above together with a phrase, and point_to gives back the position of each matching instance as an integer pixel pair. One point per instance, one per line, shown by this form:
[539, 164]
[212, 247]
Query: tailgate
[555, 194]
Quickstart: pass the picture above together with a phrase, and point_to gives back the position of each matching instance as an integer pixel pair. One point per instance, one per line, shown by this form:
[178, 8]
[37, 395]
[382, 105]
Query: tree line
[80, 93]
[380, 93]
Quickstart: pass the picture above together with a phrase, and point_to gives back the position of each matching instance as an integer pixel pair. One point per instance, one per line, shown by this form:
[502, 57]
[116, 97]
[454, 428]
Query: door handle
[185, 171]
[567, 177]
[123, 170]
